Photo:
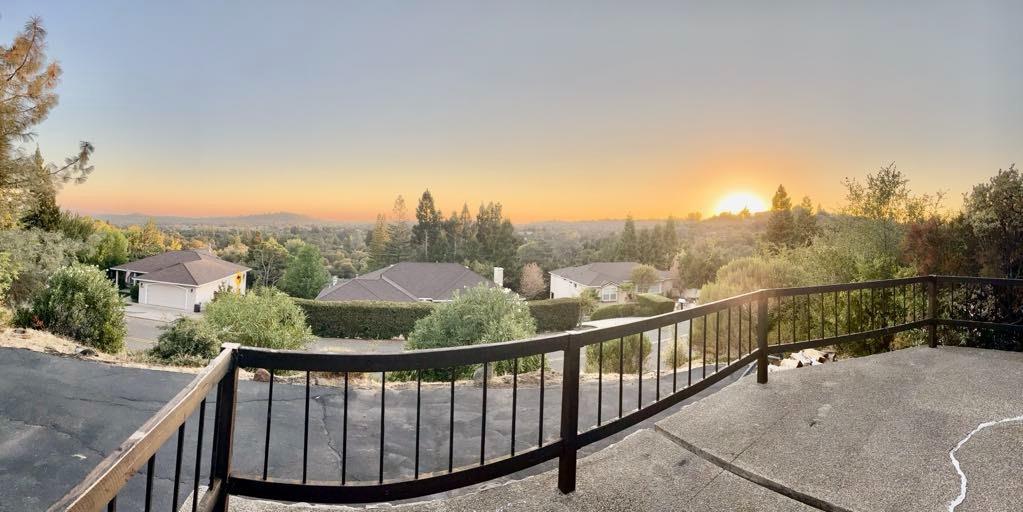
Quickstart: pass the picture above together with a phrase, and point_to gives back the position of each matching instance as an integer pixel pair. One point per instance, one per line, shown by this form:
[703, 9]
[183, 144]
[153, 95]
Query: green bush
[363, 319]
[187, 341]
[263, 317]
[134, 293]
[475, 316]
[81, 303]
[615, 311]
[624, 351]
[555, 314]
[651, 304]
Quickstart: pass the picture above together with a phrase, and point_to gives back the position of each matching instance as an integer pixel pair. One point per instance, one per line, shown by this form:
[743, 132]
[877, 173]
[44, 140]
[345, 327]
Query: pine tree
[428, 227]
[378, 243]
[628, 243]
[781, 225]
[804, 222]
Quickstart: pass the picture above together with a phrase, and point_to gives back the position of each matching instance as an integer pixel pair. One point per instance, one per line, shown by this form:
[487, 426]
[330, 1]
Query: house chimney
[499, 276]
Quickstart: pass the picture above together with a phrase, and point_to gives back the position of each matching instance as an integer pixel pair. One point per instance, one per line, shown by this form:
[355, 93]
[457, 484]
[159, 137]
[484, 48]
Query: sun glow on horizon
[737, 201]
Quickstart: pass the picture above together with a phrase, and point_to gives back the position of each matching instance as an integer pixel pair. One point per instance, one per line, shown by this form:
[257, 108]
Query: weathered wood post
[223, 431]
[762, 328]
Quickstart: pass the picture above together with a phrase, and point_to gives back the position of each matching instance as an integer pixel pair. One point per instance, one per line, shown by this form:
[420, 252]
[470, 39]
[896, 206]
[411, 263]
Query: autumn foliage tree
[531, 283]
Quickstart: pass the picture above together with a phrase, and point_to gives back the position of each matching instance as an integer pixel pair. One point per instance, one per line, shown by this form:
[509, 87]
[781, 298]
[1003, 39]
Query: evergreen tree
[804, 222]
[378, 243]
[628, 243]
[428, 228]
[305, 275]
[670, 240]
[781, 225]
[399, 234]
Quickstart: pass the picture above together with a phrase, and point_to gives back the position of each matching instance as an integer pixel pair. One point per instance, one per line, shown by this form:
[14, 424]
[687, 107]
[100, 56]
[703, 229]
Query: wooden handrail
[106, 479]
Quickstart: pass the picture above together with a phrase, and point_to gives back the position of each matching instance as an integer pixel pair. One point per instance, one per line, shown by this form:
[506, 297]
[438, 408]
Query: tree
[531, 283]
[887, 202]
[628, 244]
[670, 242]
[81, 303]
[27, 95]
[804, 223]
[305, 275]
[235, 252]
[107, 248]
[643, 277]
[497, 241]
[379, 240]
[428, 227]
[145, 241]
[263, 317]
[698, 265]
[37, 254]
[399, 234]
[994, 211]
[781, 225]
[268, 260]
[8, 273]
[477, 315]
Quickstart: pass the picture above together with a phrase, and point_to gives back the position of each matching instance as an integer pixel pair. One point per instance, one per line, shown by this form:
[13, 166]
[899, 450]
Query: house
[604, 277]
[181, 279]
[408, 281]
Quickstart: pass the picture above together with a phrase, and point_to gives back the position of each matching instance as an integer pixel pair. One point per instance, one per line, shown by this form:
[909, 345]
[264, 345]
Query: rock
[802, 359]
[788, 363]
[85, 351]
[261, 375]
[815, 355]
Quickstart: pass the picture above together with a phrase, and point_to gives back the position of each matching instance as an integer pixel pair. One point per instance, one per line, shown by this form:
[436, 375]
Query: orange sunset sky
[568, 111]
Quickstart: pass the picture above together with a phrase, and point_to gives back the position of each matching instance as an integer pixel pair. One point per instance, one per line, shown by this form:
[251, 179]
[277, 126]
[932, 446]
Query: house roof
[405, 282]
[601, 273]
[189, 267]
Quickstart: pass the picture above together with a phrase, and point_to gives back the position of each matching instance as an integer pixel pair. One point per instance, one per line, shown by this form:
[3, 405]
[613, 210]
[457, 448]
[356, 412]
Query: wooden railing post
[762, 329]
[932, 311]
[569, 418]
[223, 432]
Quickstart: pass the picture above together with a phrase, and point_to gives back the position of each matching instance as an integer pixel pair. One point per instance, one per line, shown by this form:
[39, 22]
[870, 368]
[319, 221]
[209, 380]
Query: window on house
[609, 294]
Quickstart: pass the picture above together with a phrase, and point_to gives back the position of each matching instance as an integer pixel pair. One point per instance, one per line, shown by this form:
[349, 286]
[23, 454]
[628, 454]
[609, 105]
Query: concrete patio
[873, 433]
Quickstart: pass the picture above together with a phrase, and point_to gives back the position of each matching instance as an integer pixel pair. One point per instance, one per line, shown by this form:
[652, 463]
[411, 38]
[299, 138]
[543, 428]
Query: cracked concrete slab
[871, 433]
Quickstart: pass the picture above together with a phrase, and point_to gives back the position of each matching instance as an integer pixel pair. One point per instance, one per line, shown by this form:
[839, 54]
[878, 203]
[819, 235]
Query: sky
[559, 110]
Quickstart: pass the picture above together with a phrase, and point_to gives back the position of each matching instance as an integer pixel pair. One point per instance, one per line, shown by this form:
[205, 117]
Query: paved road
[59, 417]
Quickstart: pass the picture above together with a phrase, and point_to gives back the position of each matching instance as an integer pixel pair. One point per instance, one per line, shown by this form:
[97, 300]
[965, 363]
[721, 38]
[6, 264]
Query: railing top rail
[995, 281]
[412, 360]
[107, 478]
[841, 287]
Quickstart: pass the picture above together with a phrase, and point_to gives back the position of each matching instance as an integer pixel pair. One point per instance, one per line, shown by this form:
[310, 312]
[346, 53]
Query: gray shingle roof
[600, 273]
[406, 282]
[188, 267]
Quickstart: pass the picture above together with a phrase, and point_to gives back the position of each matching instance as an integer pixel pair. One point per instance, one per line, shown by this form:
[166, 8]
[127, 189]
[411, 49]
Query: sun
[737, 201]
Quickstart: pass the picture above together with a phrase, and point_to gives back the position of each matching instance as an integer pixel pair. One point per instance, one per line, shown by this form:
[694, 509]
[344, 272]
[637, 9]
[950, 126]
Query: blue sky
[559, 110]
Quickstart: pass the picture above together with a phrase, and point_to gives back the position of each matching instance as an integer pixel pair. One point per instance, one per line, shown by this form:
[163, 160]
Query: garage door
[166, 295]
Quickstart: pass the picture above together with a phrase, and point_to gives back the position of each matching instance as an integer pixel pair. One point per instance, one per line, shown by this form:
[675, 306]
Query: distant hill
[261, 219]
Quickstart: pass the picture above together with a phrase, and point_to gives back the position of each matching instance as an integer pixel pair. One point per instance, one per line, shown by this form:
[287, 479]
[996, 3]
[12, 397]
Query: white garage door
[166, 295]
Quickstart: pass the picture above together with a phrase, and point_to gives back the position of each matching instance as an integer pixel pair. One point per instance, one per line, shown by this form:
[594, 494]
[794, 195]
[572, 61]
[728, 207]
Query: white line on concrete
[955, 462]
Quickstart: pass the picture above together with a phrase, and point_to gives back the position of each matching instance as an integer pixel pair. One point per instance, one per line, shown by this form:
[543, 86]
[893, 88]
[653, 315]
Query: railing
[541, 414]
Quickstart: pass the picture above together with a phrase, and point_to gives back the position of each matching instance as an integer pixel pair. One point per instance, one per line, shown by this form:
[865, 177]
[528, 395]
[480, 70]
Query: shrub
[134, 293]
[264, 317]
[614, 311]
[555, 314]
[477, 315]
[79, 302]
[589, 301]
[651, 304]
[187, 341]
[305, 274]
[364, 319]
[624, 351]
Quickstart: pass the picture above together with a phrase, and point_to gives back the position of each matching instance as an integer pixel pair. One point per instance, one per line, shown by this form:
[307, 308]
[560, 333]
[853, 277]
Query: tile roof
[405, 282]
[188, 267]
[600, 273]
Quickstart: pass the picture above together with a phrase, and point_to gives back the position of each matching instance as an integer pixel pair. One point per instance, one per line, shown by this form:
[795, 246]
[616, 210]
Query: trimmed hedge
[363, 319]
[555, 314]
[615, 311]
[648, 304]
[651, 304]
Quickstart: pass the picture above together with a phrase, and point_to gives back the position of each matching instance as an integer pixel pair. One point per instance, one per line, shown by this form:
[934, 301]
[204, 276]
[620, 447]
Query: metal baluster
[657, 386]
[717, 338]
[739, 329]
[837, 317]
[451, 425]
[483, 417]
[639, 373]
[689, 373]
[177, 467]
[515, 399]
[150, 469]
[778, 302]
[600, 380]
[728, 338]
[305, 436]
[112, 504]
[674, 362]
[703, 353]
[269, 408]
[539, 442]
[419, 407]
[749, 328]
[823, 333]
[621, 372]
[848, 311]
[383, 408]
[795, 311]
[344, 434]
[808, 322]
[198, 456]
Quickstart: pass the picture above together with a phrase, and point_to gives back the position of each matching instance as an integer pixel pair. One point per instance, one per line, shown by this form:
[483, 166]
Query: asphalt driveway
[59, 417]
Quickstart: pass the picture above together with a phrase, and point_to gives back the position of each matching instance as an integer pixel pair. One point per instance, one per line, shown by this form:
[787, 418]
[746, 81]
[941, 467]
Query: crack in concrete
[326, 432]
[54, 427]
[955, 462]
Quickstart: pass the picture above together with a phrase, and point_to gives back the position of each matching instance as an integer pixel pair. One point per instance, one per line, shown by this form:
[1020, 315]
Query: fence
[552, 416]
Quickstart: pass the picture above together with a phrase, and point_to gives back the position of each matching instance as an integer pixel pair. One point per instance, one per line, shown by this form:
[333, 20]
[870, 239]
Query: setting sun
[736, 202]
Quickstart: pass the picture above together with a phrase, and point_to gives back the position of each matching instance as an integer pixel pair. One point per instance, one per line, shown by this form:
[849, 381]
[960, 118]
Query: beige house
[604, 277]
[181, 279]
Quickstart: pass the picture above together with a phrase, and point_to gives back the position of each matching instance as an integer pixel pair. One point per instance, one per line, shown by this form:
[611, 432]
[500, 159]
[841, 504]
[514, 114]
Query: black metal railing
[552, 396]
